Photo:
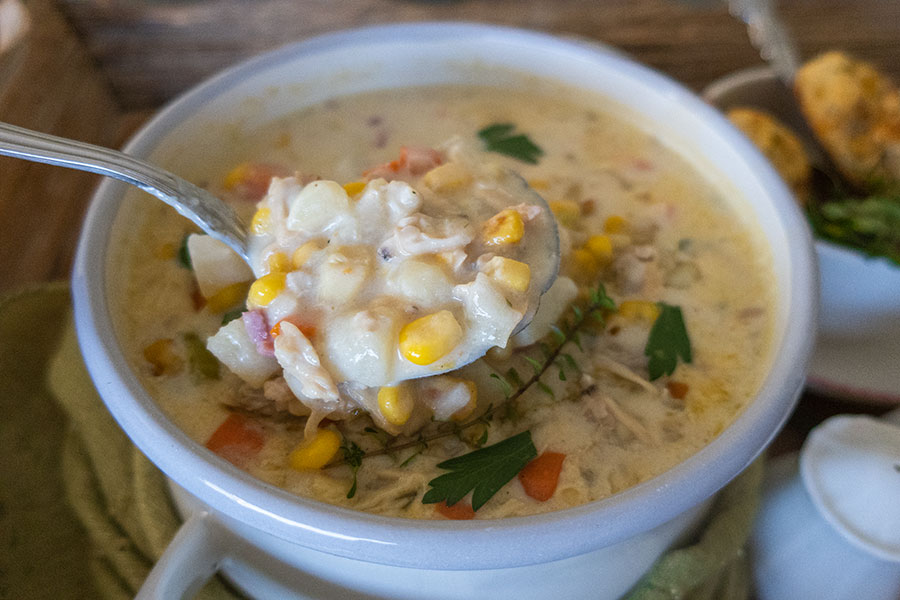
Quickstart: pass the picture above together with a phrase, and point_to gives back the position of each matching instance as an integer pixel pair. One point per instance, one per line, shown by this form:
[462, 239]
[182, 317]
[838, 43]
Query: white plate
[857, 355]
[866, 370]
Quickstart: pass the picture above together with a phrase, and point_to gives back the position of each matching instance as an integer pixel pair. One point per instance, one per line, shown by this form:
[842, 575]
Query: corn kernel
[584, 265]
[601, 247]
[506, 227]
[509, 273]
[567, 212]
[428, 338]
[466, 411]
[302, 254]
[354, 187]
[227, 297]
[316, 452]
[261, 219]
[266, 288]
[538, 184]
[278, 263]
[639, 310]
[236, 176]
[395, 404]
[615, 224]
[162, 357]
[446, 177]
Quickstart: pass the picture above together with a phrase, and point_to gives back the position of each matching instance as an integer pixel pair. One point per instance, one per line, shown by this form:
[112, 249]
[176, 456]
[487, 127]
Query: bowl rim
[404, 542]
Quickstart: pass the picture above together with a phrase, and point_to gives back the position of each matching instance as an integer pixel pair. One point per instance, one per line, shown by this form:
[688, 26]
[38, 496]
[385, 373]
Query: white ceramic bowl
[272, 543]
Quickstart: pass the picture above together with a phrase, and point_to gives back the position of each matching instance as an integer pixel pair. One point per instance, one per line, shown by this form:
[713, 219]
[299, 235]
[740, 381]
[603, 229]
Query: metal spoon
[217, 218]
[211, 214]
[769, 34]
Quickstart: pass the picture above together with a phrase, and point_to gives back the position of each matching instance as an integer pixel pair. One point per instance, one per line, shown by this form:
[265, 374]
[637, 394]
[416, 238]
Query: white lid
[850, 466]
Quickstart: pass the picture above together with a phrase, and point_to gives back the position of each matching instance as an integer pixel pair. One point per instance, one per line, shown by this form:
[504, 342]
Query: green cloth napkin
[83, 514]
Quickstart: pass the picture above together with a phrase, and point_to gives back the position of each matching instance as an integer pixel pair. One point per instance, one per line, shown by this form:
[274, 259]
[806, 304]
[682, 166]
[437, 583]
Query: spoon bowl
[219, 220]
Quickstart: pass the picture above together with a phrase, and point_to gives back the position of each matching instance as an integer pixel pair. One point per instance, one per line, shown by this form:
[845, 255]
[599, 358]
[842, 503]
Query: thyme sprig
[598, 306]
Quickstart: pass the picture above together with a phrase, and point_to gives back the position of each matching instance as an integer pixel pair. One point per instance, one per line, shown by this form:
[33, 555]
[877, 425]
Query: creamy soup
[655, 335]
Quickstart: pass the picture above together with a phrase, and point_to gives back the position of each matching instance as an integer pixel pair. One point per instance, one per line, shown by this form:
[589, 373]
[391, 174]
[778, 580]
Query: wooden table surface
[95, 70]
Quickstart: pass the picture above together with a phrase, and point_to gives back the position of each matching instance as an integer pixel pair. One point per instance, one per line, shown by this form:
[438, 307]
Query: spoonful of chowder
[417, 268]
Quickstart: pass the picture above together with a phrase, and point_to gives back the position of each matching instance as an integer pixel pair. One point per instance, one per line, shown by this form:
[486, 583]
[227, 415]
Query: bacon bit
[309, 331]
[461, 511]
[677, 389]
[588, 207]
[540, 477]
[257, 327]
[237, 440]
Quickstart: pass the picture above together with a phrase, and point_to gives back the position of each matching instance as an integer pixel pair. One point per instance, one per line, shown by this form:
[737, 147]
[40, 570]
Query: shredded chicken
[616, 368]
[628, 421]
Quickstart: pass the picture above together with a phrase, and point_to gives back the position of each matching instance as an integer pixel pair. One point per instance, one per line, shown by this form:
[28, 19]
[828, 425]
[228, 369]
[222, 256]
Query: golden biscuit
[855, 112]
[779, 144]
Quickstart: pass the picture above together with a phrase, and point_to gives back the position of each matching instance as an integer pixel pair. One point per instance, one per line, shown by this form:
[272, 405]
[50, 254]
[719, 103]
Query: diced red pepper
[250, 181]
[413, 160]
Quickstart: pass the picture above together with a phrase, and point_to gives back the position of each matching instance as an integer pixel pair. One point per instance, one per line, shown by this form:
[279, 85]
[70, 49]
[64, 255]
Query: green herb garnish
[231, 315]
[668, 342]
[202, 363]
[353, 456]
[183, 256]
[500, 138]
[482, 472]
[870, 225]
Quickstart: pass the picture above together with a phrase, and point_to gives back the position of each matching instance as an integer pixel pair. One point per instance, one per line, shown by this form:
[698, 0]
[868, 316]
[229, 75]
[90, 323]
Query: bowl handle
[191, 559]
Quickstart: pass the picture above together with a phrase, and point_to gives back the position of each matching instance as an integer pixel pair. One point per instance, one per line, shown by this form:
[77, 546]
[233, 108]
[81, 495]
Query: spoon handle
[210, 213]
[769, 35]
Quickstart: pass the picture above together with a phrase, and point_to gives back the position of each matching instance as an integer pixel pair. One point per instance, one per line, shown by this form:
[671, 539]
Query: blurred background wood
[149, 51]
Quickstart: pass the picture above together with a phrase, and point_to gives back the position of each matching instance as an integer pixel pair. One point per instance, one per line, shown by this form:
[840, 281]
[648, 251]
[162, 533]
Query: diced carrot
[677, 389]
[237, 440]
[540, 477]
[461, 511]
[305, 328]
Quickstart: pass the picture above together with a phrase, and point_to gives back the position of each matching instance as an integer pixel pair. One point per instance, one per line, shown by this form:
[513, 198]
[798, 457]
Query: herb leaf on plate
[500, 138]
[668, 341]
[483, 471]
[870, 225]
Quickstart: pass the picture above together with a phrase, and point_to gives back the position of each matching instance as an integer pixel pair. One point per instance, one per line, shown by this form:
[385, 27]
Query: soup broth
[655, 336]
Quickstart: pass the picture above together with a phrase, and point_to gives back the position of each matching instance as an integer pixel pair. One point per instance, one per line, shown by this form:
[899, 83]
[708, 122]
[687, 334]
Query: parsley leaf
[485, 471]
[499, 138]
[870, 225]
[668, 342]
